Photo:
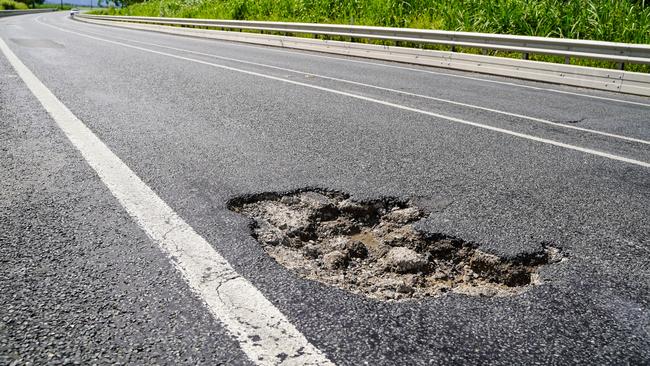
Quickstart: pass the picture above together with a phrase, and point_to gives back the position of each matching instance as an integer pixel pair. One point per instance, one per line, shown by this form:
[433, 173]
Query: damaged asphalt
[81, 283]
[374, 248]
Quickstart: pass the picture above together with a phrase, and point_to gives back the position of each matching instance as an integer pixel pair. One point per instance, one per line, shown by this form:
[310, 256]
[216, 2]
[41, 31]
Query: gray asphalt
[80, 282]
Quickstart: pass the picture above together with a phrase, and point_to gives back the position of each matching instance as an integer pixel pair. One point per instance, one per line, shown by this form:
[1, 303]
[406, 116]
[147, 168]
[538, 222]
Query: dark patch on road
[372, 248]
[571, 121]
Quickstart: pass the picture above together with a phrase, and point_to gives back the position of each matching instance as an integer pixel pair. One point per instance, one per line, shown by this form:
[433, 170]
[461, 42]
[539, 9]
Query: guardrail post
[524, 55]
[567, 59]
[620, 65]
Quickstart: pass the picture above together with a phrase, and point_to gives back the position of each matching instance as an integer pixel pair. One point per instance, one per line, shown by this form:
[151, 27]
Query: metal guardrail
[610, 51]
[581, 76]
[6, 13]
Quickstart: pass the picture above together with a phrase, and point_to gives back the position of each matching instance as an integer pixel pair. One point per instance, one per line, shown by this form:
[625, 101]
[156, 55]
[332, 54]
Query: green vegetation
[26, 4]
[12, 5]
[607, 20]
[54, 6]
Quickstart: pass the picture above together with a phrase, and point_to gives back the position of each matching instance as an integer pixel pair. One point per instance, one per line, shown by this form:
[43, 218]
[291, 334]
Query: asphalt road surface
[90, 273]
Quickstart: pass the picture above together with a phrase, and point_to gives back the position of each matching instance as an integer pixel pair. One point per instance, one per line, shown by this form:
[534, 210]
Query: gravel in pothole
[372, 248]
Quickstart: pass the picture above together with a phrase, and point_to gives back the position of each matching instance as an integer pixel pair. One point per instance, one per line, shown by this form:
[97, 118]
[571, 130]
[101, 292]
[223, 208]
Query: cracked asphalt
[80, 282]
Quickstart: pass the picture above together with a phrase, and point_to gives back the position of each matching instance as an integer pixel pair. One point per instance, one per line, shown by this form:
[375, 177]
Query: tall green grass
[607, 20]
[12, 5]
[55, 6]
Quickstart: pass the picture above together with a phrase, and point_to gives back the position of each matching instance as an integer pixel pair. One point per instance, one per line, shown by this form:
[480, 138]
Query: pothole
[372, 248]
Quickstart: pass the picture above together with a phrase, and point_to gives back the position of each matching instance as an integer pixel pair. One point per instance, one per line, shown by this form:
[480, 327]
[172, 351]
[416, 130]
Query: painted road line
[373, 100]
[244, 311]
[426, 71]
[466, 105]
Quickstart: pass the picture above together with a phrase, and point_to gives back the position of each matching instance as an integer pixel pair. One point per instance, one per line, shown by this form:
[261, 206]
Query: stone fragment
[320, 204]
[354, 208]
[402, 236]
[292, 222]
[390, 287]
[339, 243]
[404, 260]
[289, 200]
[340, 226]
[404, 215]
[403, 288]
[271, 236]
[315, 199]
[311, 251]
[483, 262]
[335, 260]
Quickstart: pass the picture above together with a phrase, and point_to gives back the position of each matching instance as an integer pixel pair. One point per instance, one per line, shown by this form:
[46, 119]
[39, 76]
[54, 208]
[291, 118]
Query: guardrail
[610, 51]
[6, 13]
[589, 77]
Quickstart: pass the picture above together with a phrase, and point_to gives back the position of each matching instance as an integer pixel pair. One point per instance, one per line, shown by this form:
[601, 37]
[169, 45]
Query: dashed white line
[232, 299]
[373, 100]
[466, 105]
[426, 71]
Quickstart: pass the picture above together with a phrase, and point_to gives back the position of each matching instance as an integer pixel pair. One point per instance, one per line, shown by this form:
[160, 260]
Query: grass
[12, 5]
[53, 6]
[606, 20]
[15, 5]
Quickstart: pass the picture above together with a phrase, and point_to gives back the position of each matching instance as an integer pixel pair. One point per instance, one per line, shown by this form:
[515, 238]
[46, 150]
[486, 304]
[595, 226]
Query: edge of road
[624, 82]
[9, 13]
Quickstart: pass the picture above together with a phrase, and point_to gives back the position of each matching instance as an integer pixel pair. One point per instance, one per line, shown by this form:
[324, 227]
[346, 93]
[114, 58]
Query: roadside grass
[15, 5]
[625, 21]
[54, 6]
[12, 5]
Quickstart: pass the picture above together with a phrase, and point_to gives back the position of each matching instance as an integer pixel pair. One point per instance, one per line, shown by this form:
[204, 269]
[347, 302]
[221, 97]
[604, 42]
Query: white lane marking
[535, 119]
[262, 331]
[350, 59]
[372, 100]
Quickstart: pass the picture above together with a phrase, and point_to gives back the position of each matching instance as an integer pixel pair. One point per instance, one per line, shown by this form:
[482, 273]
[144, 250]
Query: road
[178, 126]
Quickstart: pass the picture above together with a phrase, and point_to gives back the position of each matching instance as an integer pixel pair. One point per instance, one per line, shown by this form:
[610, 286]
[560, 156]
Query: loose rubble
[371, 248]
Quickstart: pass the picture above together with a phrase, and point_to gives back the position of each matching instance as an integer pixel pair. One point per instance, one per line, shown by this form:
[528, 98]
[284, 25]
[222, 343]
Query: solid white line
[244, 311]
[372, 100]
[351, 59]
[535, 119]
